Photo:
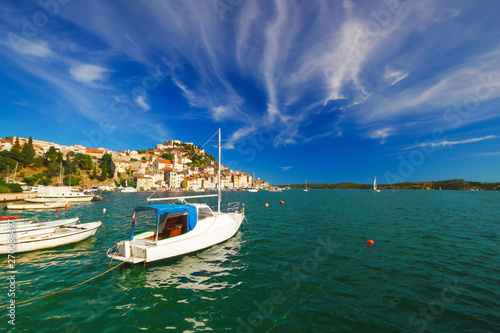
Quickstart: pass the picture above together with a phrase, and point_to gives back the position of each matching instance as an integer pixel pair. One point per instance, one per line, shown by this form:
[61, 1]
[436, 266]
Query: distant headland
[452, 184]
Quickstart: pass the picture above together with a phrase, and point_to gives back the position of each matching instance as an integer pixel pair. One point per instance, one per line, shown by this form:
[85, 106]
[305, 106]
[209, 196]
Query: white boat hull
[34, 228]
[61, 236]
[129, 190]
[30, 206]
[206, 233]
[79, 198]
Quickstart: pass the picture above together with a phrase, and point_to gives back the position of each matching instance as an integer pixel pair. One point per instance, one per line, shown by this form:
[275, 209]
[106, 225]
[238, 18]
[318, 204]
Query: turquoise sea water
[299, 267]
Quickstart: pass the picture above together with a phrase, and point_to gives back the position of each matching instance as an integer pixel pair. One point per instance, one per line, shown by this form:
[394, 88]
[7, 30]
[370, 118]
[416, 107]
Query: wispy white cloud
[140, 101]
[446, 143]
[37, 49]
[394, 76]
[87, 73]
[382, 134]
[285, 168]
[484, 155]
[299, 59]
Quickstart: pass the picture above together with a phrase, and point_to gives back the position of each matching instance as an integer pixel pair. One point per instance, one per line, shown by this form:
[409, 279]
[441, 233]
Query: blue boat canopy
[192, 214]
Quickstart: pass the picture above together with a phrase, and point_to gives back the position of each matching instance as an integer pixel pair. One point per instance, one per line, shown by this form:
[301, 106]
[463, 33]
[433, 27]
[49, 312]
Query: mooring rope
[69, 288]
[66, 289]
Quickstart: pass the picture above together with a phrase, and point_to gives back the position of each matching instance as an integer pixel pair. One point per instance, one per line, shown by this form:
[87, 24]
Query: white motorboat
[253, 190]
[128, 190]
[180, 229]
[60, 236]
[32, 229]
[42, 205]
[41, 200]
[62, 193]
[375, 185]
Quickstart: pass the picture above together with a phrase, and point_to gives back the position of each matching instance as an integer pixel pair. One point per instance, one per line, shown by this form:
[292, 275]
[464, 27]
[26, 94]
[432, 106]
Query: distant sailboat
[305, 190]
[375, 185]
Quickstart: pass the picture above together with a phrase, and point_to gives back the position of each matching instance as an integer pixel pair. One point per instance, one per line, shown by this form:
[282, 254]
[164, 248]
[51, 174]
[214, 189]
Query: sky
[328, 91]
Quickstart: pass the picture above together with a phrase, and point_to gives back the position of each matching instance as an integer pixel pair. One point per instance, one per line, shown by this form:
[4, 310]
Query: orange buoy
[106, 199]
[57, 209]
[370, 242]
[267, 205]
[282, 202]
[67, 206]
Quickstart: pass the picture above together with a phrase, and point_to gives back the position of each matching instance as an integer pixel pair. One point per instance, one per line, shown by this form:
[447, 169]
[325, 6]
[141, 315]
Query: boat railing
[231, 207]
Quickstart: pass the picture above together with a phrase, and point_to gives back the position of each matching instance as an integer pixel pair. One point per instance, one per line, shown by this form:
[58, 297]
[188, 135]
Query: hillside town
[173, 165]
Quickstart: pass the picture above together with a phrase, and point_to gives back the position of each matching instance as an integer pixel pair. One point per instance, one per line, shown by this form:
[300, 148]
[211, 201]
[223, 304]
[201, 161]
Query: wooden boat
[42, 205]
[61, 236]
[180, 229]
[32, 229]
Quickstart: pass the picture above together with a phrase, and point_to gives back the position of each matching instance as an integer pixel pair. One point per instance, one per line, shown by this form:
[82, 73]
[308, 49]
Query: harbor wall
[8, 197]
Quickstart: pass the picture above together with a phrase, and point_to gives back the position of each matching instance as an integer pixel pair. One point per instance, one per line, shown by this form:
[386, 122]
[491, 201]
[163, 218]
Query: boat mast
[15, 171]
[219, 187]
[60, 175]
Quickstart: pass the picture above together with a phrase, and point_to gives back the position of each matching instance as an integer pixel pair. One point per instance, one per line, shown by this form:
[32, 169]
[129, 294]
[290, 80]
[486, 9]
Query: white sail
[375, 185]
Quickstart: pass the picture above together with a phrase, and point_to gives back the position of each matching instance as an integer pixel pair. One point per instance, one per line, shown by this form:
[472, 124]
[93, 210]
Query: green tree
[168, 156]
[28, 152]
[74, 180]
[30, 181]
[86, 162]
[15, 152]
[105, 167]
[69, 165]
[53, 160]
[45, 181]
[94, 173]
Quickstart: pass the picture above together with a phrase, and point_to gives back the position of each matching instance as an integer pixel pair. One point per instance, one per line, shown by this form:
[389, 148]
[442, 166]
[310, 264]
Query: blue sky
[330, 91]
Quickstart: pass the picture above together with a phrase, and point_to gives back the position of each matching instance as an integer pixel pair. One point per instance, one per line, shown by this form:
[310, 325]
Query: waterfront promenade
[7, 197]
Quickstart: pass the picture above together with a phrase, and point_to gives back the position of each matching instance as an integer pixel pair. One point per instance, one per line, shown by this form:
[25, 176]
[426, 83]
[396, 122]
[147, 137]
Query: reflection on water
[205, 270]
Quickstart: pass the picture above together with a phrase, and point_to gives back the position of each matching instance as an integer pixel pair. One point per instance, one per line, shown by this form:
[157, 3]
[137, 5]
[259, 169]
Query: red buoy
[370, 242]
[57, 209]
[106, 199]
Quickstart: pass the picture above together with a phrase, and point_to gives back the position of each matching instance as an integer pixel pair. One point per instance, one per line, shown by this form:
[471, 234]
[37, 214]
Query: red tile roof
[93, 151]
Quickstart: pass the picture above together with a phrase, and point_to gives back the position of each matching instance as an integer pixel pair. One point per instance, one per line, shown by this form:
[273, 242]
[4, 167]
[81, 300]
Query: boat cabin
[173, 220]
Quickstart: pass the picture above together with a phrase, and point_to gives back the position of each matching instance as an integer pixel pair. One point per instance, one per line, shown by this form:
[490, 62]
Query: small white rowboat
[61, 236]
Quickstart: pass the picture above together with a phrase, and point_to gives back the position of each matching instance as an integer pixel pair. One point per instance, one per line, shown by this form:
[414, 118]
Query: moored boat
[10, 218]
[128, 190]
[42, 205]
[33, 228]
[63, 193]
[180, 228]
[61, 236]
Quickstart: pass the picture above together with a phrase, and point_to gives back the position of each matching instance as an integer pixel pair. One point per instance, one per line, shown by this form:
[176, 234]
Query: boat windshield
[204, 212]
